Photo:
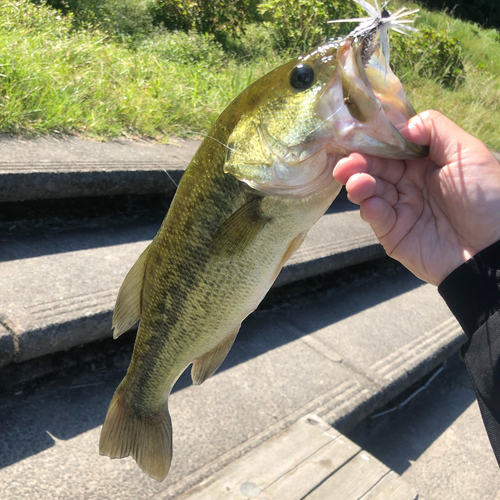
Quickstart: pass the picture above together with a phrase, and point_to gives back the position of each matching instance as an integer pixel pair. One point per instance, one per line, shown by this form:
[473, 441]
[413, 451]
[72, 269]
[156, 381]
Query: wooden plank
[352, 480]
[298, 482]
[391, 487]
[256, 470]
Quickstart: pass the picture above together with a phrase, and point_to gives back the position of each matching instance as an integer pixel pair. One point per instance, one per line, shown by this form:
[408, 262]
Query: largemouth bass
[254, 188]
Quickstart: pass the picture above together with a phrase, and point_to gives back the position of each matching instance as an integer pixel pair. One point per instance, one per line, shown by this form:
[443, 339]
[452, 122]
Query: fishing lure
[377, 26]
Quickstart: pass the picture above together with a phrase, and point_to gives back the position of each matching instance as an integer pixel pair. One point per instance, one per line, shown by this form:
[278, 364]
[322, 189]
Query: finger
[446, 140]
[353, 164]
[379, 214]
[356, 163]
[360, 187]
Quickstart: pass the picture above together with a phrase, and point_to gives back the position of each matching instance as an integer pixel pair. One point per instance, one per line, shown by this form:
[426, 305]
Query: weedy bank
[156, 68]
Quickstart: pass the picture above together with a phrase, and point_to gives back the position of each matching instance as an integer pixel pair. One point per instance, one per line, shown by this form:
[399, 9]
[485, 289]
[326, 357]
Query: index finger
[356, 163]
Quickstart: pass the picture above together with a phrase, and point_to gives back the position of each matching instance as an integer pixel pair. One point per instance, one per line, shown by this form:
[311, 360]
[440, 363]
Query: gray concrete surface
[342, 352]
[65, 167]
[70, 167]
[6, 346]
[437, 441]
[316, 353]
[59, 290]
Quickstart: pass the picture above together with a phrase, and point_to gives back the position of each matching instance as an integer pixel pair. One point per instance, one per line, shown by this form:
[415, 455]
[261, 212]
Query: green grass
[58, 79]
[55, 79]
[474, 105]
[481, 47]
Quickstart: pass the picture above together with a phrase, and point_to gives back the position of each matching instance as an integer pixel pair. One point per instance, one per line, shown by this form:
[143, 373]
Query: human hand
[434, 213]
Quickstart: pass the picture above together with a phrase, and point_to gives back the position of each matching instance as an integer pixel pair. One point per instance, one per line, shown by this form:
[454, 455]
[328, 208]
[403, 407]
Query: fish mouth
[365, 104]
[359, 110]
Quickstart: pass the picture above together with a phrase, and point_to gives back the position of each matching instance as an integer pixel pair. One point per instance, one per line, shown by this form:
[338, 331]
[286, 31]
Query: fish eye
[302, 77]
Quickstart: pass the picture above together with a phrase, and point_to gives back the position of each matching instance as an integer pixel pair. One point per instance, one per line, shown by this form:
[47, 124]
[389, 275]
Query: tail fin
[147, 438]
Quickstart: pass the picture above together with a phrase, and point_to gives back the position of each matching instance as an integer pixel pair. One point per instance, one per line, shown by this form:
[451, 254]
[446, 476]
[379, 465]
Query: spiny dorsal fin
[205, 366]
[128, 304]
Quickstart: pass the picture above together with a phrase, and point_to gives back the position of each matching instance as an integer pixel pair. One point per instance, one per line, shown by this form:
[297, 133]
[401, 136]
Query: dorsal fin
[128, 303]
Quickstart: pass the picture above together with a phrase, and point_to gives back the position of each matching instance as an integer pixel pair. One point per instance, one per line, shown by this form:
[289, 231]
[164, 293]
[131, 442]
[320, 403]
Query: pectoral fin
[205, 366]
[128, 304]
[239, 230]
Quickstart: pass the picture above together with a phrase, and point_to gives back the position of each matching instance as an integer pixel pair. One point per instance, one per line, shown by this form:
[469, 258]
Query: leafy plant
[58, 74]
[33, 18]
[303, 23]
[55, 78]
[429, 54]
[221, 18]
[254, 42]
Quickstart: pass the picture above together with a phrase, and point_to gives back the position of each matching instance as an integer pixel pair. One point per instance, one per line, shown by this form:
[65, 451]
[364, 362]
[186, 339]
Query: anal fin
[128, 303]
[206, 365]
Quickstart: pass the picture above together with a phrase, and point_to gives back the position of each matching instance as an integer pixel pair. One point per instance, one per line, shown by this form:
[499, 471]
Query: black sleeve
[472, 292]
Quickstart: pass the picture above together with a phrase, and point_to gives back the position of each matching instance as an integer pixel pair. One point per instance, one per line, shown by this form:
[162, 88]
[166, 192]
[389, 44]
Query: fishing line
[328, 118]
[409, 398]
[216, 140]
[169, 176]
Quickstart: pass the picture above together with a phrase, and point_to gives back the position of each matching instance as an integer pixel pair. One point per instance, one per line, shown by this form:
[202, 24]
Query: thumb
[447, 142]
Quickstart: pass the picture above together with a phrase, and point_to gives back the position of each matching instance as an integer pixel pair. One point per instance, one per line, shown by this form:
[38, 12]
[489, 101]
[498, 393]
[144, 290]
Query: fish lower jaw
[378, 138]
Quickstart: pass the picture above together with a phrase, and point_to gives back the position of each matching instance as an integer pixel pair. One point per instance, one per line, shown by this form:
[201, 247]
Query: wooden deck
[307, 461]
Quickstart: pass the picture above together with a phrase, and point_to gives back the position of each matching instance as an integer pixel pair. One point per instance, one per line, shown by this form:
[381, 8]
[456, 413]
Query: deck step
[48, 168]
[340, 353]
[62, 288]
[307, 461]
[51, 167]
